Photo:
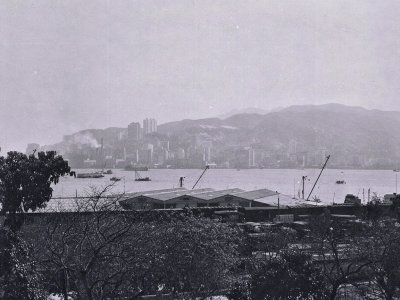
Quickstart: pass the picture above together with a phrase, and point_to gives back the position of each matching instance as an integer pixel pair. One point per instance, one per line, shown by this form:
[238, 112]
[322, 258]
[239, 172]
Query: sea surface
[285, 181]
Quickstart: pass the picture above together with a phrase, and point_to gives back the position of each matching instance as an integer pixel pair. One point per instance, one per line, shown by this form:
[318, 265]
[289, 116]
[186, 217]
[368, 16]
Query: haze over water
[285, 181]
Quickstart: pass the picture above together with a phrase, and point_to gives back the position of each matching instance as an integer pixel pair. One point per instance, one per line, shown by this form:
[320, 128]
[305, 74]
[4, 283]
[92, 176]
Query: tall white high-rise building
[149, 126]
[252, 157]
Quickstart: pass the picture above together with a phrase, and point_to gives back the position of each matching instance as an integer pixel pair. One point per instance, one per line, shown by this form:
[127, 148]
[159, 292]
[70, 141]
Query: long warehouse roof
[215, 194]
[175, 194]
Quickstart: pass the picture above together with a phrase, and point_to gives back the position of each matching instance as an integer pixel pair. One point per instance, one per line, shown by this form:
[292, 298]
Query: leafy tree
[19, 278]
[87, 247]
[25, 183]
[383, 244]
[197, 256]
[288, 275]
[100, 251]
[338, 250]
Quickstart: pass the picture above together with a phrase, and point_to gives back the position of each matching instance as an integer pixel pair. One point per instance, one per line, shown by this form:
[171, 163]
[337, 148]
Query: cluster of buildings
[141, 144]
[138, 145]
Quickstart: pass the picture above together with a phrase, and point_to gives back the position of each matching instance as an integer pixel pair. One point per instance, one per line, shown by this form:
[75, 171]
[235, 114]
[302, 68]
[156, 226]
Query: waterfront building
[207, 154]
[89, 163]
[120, 163]
[252, 157]
[109, 162]
[205, 197]
[146, 154]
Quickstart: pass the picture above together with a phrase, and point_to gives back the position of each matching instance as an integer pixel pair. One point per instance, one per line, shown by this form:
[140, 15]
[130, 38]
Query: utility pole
[279, 208]
[303, 178]
[363, 195]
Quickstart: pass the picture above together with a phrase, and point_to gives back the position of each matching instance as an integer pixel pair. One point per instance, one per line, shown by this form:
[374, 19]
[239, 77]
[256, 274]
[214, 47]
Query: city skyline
[23, 146]
[280, 139]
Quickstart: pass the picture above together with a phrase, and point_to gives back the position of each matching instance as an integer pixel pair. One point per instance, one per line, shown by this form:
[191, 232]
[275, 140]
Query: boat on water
[138, 177]
[108, 172]
[396, 170]
[340, 182]
[90, 175]
[115, 178]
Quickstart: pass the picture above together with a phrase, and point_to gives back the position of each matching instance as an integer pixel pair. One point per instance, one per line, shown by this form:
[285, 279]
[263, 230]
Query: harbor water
[285, 181]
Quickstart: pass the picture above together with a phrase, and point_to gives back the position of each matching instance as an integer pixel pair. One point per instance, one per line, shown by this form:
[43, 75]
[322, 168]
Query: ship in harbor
[138, 177]
[90, 175]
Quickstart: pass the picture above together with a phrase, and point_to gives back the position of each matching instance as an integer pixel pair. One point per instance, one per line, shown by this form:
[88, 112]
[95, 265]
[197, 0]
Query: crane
[205, 169]
[327, 158]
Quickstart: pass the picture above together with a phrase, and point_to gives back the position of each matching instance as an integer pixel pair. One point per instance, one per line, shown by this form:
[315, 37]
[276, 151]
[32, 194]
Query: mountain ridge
[355, 136]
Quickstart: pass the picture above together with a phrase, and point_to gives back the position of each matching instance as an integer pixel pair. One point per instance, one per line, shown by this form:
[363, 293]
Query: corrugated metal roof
[257, 194]
[216, 194]
[172, 195]
[284, 200]
[151, 192]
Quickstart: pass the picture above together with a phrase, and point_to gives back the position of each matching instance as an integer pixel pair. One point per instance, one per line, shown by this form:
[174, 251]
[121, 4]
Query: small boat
[340, 182]
[140, 178]
[396, 170]
[115, 178]
[89, 175]
[108, 172]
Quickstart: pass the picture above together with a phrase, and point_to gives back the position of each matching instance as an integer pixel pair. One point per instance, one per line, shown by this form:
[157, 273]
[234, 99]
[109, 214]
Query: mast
[327, 158]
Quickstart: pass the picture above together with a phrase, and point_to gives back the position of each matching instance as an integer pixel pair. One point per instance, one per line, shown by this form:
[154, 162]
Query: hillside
[291, 137]
[342, 130]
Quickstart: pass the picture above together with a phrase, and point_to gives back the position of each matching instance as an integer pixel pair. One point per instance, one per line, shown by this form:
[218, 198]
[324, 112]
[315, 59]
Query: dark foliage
[290, 274]
[25, 182]
[19, 278]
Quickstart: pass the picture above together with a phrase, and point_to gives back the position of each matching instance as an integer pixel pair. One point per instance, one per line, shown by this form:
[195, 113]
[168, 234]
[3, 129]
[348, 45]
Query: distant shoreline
[245, 168]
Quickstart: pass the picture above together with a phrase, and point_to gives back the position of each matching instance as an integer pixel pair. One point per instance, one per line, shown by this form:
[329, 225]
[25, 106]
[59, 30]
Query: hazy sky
[71, 65]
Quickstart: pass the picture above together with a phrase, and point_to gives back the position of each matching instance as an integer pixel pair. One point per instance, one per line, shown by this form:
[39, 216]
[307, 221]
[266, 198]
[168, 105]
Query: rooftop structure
[179, 198]
[214, 194]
